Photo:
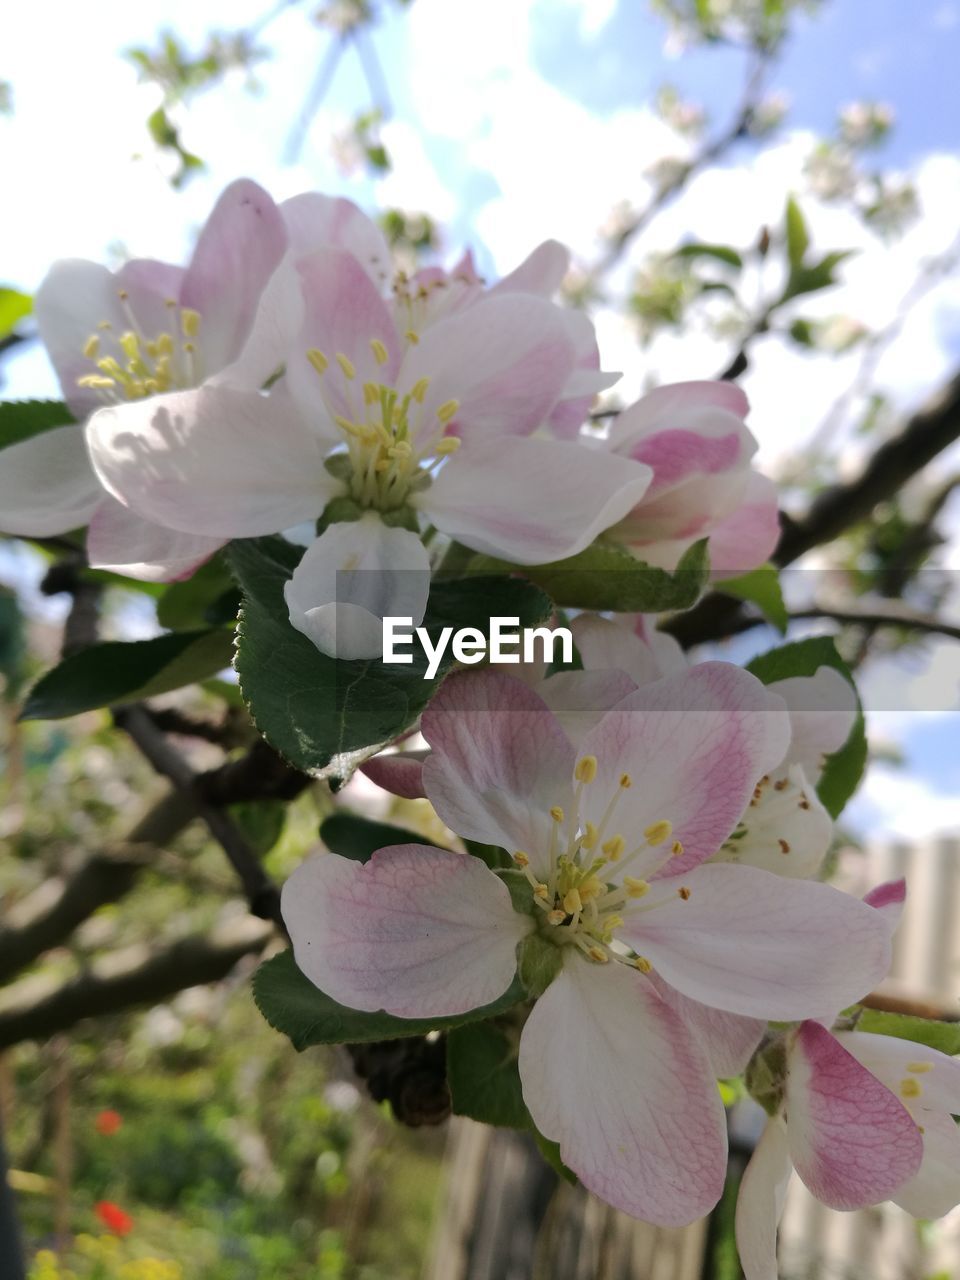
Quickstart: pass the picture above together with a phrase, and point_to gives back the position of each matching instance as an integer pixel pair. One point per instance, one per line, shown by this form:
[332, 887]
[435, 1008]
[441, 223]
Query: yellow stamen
[380, 353]
[521, 859]
[318, 360]
[346, 365]
[96, 382]
[419, 390]
[556, 916]
[91, 347]
[635, 888]
[450, 445]
[190, 322]
[626, 781]
[657, 832]
[130, 345]
[910, 1088]
[448, 411]
[598, 954]
[676, 849]
[684, 893]
[412, 336]
[590, 836]
[572, 902]
[614, 847]
[586, 769]
[592, 888]
[556, 813]
[920, 1068]
[541, 891]
[643, 964]
[164, 344]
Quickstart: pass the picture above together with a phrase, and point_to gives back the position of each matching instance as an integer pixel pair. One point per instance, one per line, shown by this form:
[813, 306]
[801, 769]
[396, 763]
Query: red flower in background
[113, 1217]
[108, 1122]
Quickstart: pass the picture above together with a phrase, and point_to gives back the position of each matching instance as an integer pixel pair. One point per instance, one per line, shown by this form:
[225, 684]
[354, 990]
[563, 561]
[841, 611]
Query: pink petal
[504, 360]
[343, 313]
[674, 402]
[760, 1201]
[216, 461]
[500, 760]
[935, 1189]
[605, 645]
[239, 248]
[315, 221]
[694, 744]
[151, 285]
[399, 772]
[852, 1142]
[747, 537]
[47, 485]
[531, 501]
[753, 943]
[710, 442]
[120, 541]
[614, 1075]
[541, 272]
[585, 381]
[580, 699]
[728, 1039]
[415, 931]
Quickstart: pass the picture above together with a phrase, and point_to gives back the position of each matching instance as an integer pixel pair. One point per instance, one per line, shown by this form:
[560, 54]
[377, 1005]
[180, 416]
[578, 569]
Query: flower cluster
[642, 836]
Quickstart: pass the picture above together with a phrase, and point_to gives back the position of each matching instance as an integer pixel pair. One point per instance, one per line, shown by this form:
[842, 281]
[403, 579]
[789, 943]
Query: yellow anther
[170, 303]
[412, 336]
[448, 411]
[920, 1068]
[419, 390]
[450, 445]
[684, 893]
[586, 769]
[122, 295]
[556, 813]
[657, 832]
[910, 1088]
[190, 322]
[110, 367]
[401, 449]
[590, 836]
[351, 428]
[521, 859]
[611, 923]
[130, 345]
[541, 892]
[371, 393]
[92, 346]
[676, 849]
[151, 386]
[318, 360]
[614, 847]
[598, 954]
[96, 381]
[592, 888]
[572, 902]
[626, 781]
[189, 348]
[643, 964]
[635, 888]
[346, 365]
[556, 916]
[164, 344]
[104, 325]
[380, 353]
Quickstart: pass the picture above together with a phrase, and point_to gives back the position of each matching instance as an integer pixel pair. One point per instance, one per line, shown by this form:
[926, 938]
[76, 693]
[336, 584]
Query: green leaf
[292, 1004]
[497, 859]
[721, 252]
[326, 715]
[762, 588]
[484, 1080]
[359, 838]
[21, 419]
[261, 823]
[538, 963]
[844, 768]
[607, 577]
[819, 275]
[194, 603]
[14, 305]
[121, 671]
[798, 237]
[944, 1036]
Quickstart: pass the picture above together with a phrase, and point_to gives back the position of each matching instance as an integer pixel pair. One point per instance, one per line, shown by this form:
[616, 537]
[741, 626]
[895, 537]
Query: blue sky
[514, 121]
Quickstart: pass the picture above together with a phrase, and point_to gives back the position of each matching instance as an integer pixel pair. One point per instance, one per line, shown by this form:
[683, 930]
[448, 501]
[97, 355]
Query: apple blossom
[122, 338]
[607, 838]
[693, 436]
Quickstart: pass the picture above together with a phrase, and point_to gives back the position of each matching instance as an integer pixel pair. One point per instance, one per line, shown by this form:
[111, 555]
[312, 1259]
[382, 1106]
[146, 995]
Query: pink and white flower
[122, 339]
[693, 436]
[610, 836]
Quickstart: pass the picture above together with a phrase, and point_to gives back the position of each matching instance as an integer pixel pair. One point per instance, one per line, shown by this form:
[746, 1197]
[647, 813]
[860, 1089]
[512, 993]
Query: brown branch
[128, 978]
[856, 614]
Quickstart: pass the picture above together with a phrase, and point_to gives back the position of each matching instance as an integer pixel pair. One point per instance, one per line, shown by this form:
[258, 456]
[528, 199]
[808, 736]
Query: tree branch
[131, 977]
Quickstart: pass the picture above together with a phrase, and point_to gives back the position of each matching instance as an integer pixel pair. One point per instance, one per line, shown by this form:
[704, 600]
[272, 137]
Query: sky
[513, 121]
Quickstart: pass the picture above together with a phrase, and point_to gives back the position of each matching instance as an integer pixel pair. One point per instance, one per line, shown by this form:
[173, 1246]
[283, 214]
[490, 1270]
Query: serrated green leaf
[22, 419]
[721, 252]
[762, 588]
[14, 305]
[328, 715]
[844, 768]
[127, 671]
[293, 1005]
[359, 838]
[607, 577]
[944, 1036]
[798, 237]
